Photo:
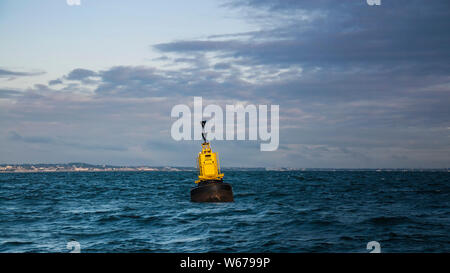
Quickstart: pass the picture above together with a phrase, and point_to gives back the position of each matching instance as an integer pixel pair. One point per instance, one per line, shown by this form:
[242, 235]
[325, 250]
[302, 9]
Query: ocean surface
[292, 211]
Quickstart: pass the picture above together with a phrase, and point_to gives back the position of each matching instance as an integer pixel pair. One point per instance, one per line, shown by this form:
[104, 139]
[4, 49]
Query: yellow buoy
[208, 164]
[210, 186]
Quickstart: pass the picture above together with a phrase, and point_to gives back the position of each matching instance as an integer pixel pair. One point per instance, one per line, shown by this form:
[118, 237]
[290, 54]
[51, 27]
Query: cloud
[29, 139]
[55, 82]
[10, 73]
[222, 66]
[336, 52]
[9, 93]
[14, 136]
[346, 33]
[80, 74]
[193, 46]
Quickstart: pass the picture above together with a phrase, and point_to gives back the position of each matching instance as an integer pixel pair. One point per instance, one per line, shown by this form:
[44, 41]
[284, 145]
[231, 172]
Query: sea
[273, 211]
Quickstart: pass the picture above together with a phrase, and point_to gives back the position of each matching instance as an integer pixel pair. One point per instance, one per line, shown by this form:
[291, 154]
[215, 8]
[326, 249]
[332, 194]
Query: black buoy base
[212, 191]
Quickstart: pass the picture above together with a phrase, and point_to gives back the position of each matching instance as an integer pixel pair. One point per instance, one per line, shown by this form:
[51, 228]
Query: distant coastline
[85, 167]
[81, 167]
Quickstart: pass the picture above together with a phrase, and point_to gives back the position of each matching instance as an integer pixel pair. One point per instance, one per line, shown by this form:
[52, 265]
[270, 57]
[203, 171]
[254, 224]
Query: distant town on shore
[85, 167]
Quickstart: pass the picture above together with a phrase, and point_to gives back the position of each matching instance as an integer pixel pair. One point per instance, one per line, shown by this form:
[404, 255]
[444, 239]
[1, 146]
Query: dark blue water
[273, 212]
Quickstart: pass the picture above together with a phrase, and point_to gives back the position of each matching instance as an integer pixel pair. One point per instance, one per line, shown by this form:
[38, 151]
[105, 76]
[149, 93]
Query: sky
[358, 86]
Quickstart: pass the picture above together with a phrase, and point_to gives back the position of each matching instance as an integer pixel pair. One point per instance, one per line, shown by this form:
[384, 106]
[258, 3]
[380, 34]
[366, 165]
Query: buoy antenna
[203, 122]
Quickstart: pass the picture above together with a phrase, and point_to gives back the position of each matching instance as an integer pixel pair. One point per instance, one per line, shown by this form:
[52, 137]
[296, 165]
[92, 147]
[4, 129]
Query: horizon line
[238, 167]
